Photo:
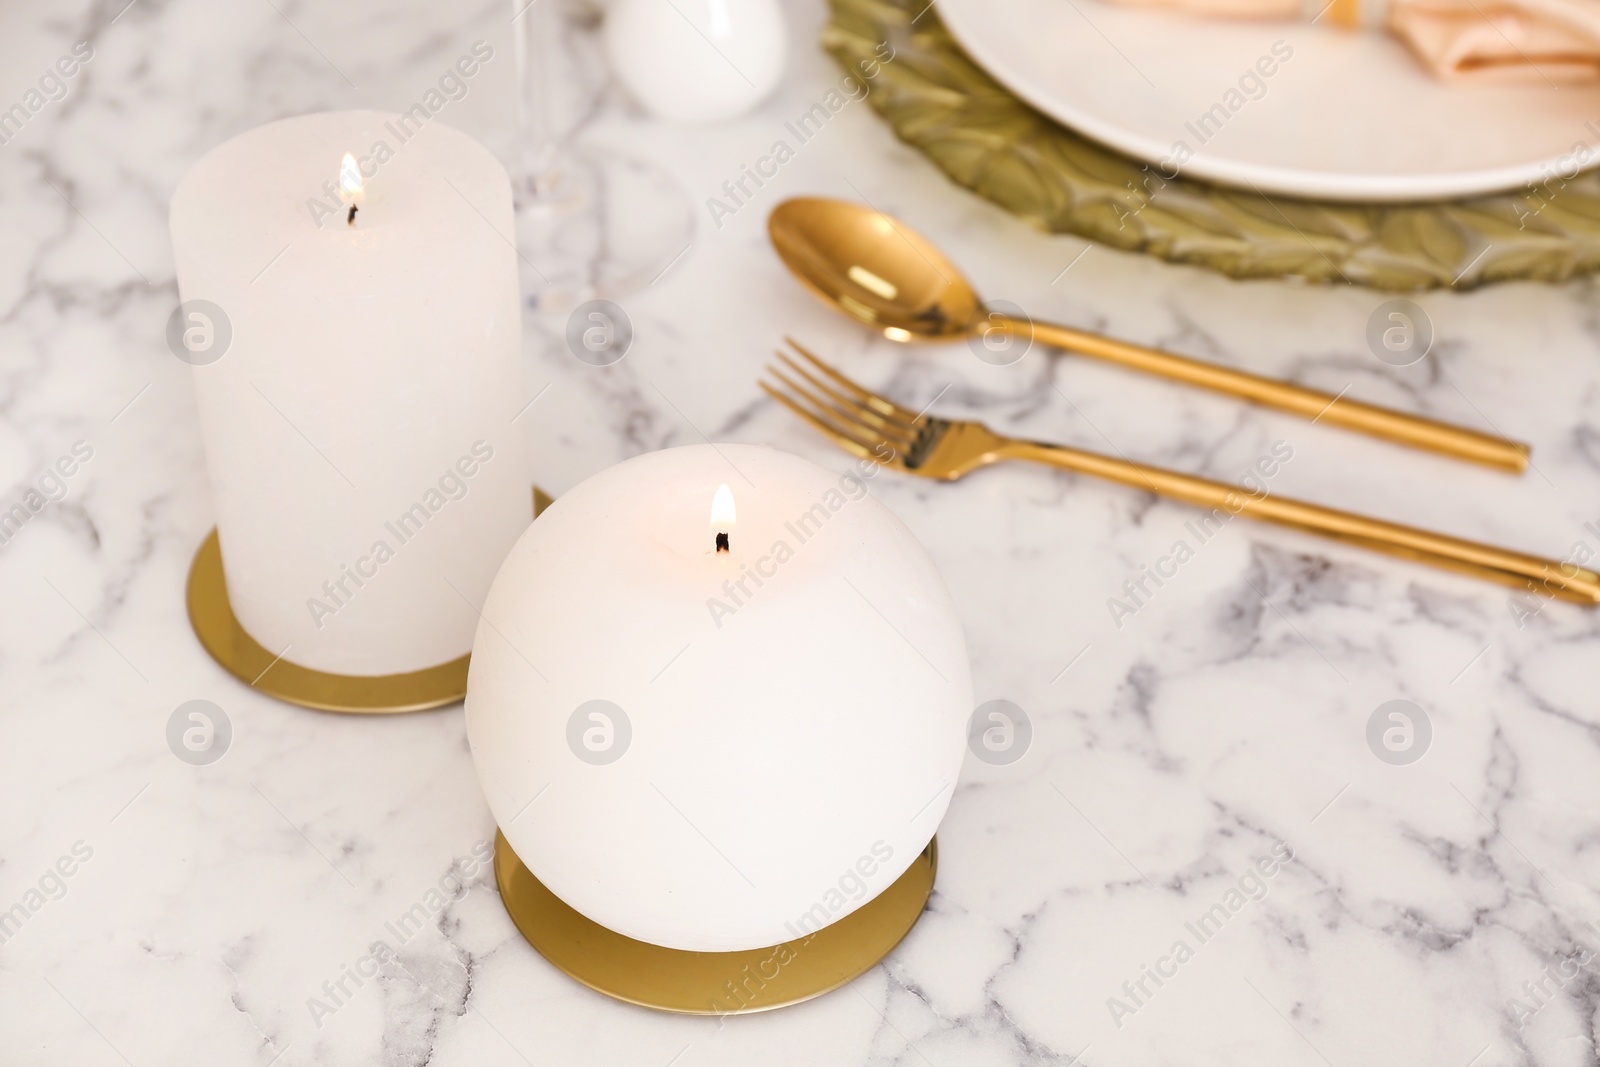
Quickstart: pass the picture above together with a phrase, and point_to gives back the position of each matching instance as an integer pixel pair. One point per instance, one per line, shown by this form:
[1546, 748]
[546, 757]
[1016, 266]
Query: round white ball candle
[366, 472]
[784, 720]
[697, 60]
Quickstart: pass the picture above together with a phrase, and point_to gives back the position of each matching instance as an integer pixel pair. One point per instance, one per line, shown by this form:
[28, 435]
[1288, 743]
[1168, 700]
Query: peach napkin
[1502, 41]
[1465, 41]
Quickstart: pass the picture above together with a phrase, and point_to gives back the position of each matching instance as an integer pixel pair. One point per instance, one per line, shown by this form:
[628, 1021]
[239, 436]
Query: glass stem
[536, 30]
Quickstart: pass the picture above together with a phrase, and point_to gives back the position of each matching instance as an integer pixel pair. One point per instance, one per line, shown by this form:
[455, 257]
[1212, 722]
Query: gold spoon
[880, 271]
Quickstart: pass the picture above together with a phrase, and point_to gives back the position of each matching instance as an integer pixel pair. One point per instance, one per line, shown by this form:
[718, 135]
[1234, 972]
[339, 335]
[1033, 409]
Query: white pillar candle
[358, 427]
[785, 719]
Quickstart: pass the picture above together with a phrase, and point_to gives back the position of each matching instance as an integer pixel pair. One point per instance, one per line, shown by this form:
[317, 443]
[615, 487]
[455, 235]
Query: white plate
[1348, 116]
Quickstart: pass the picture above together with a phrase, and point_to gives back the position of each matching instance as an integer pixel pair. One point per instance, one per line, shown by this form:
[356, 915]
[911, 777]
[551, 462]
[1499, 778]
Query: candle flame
[723, 513]
[351, 188]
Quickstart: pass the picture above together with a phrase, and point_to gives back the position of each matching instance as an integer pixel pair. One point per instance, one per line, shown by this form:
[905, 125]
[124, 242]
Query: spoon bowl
[874, 268]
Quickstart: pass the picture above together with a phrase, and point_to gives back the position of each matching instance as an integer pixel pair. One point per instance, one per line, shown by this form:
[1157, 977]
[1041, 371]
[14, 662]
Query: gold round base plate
[712, 983]
[211, 615]
[220, 633]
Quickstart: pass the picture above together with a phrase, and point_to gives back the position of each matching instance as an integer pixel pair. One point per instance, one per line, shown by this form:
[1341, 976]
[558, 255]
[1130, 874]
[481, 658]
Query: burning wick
[723, 515]
[351, 189]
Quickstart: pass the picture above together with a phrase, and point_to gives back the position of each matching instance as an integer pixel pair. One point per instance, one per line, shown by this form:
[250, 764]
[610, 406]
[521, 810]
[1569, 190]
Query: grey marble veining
[1442, 912]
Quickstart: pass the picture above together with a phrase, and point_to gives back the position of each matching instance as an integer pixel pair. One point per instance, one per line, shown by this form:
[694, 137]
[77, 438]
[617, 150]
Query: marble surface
[1442, 912]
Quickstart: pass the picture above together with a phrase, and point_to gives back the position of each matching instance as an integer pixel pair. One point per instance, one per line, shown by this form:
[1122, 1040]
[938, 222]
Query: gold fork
[877, 429]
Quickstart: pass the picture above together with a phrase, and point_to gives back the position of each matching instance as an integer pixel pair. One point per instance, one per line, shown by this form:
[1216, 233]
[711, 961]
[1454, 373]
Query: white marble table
[1225, 718]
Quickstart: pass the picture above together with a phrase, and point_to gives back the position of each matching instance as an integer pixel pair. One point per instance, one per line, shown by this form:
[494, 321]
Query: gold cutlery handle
[1563, 580]
[1413, 430]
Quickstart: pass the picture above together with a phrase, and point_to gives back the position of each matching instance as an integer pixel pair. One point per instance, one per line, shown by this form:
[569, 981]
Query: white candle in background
[784, 719]
[365, 470]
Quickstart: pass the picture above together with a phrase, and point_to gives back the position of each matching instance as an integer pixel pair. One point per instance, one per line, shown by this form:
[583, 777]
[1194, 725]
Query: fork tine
[858, 411]
[839, 437]
[856, 427]
[866, 396]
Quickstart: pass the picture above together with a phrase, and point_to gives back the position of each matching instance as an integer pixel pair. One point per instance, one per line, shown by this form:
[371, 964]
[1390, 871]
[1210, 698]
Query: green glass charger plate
[941, 103]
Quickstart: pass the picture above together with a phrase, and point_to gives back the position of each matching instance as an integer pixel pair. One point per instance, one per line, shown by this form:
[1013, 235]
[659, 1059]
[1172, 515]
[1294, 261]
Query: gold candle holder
[712, 983]
[225, 638]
